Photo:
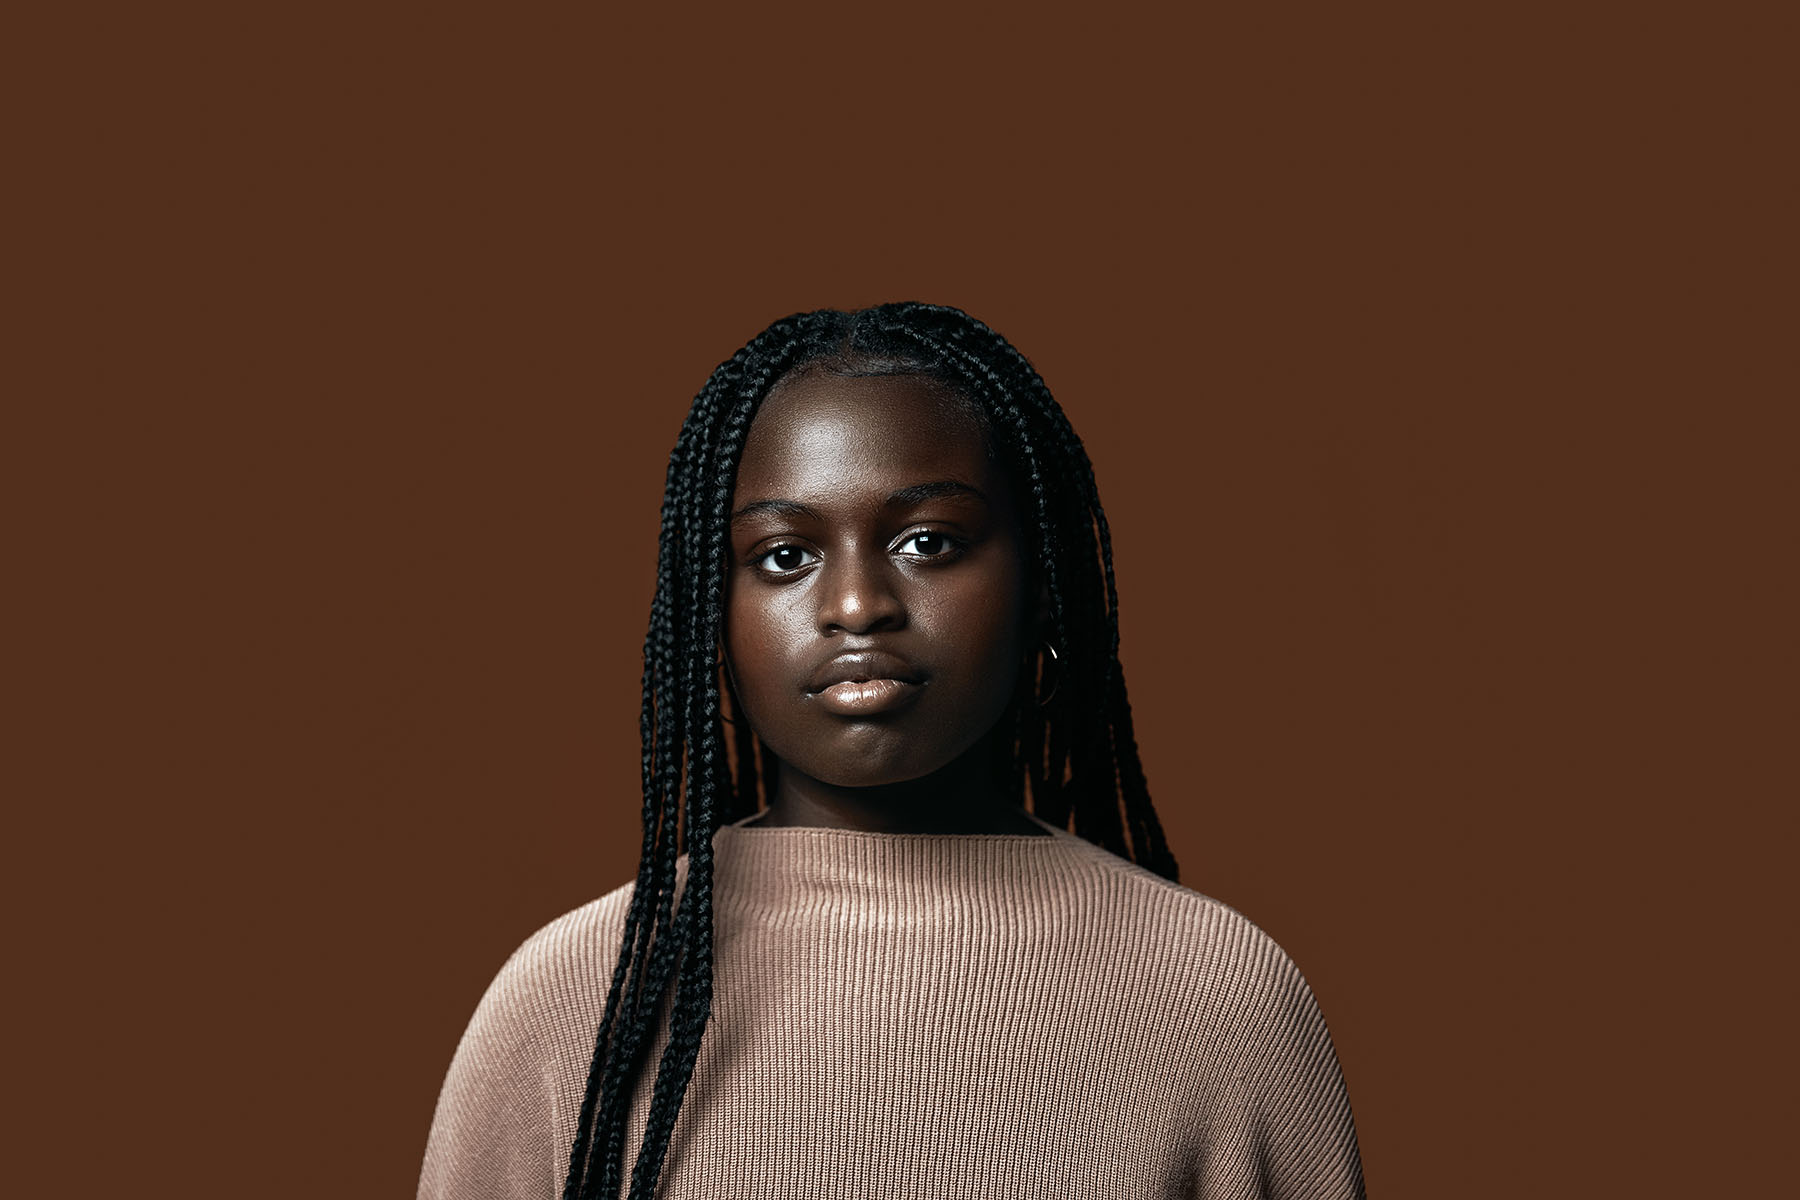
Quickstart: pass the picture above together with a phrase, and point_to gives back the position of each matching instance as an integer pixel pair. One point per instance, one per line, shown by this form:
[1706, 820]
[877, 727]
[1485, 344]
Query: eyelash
[953, 548]
[761, 559]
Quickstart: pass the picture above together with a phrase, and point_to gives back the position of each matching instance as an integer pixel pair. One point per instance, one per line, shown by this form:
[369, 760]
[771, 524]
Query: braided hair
[1073, 757]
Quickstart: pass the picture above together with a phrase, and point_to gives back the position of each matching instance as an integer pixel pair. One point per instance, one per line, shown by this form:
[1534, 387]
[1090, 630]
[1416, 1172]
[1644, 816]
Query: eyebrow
[918, 493]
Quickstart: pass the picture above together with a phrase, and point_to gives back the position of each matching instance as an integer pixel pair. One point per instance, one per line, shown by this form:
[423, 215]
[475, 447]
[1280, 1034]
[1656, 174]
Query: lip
[867, 697]
[865, 682]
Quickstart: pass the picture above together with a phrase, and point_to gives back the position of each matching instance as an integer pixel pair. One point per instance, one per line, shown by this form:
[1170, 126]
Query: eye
[783, 559]
[929, 544]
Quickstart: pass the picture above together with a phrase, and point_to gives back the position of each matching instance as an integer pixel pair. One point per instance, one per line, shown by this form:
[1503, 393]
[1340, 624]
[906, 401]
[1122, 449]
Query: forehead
[822, 434]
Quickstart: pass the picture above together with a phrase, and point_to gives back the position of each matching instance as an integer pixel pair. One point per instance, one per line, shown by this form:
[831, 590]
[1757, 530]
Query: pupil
[928, 543]
[784, 558]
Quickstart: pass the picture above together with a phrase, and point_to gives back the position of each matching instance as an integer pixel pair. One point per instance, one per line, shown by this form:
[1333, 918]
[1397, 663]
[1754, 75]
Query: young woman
[905, 922]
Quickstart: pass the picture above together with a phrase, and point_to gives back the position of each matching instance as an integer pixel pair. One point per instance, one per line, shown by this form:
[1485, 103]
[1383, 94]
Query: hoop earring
[1055, 661]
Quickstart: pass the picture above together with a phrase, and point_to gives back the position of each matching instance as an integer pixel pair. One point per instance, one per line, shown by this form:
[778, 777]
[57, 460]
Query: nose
[859, 594]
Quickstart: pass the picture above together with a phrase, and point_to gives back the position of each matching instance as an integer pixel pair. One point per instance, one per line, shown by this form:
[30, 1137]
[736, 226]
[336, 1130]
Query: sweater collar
[763, 868]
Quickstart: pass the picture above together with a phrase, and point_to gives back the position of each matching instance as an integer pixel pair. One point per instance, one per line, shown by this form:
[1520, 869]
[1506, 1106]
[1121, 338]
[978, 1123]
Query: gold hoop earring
[1056, 682]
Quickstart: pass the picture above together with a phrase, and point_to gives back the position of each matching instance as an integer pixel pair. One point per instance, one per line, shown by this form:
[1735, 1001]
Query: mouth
[865, 697]
[865, 682]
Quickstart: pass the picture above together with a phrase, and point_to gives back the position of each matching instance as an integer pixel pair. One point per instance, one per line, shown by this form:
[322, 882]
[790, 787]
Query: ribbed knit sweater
[931, 1016]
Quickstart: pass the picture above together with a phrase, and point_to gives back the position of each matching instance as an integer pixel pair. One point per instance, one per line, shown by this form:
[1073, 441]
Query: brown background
[1424, 356]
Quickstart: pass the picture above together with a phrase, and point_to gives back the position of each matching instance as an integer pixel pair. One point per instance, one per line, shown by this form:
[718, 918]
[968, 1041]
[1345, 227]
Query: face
[876, 609]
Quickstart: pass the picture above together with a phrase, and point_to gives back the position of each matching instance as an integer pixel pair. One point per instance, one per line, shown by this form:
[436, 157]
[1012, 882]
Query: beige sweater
[900, 1015]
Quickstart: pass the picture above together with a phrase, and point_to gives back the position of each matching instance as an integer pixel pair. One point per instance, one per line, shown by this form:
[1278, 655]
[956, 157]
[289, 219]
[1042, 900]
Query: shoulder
[1266, 1095]
[497, 1127]
[558, 976]
[568, 941]
[1196, 928]
[1202, 956]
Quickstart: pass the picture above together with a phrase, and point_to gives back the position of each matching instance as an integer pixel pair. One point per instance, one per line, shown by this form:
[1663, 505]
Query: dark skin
[877, 613]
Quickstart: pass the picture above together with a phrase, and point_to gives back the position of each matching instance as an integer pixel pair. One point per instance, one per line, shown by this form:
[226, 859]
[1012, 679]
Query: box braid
[1076, 758]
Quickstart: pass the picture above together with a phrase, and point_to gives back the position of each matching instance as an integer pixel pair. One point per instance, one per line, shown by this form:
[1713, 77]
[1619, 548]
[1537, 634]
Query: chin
[883, 765]
[864, 762]
[875, 754]
[866, 774]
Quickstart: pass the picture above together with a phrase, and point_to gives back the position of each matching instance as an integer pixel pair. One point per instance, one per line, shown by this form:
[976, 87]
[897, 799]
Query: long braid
[707, 776]
[673, 936]
[651, 939]
[1075, 758]
[658, 732]
[614, 1055]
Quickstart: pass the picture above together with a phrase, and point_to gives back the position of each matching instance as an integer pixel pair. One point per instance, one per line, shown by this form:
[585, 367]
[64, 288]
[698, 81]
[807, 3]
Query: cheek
[760, 642]
[982, 625]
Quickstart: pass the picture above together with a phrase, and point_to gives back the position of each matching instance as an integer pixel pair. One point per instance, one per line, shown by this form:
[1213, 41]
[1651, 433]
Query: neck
[967, 796]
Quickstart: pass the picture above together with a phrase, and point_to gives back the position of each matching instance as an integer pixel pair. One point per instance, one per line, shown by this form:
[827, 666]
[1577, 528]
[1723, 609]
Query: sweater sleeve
[491, 1138]
[1282, 1129]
